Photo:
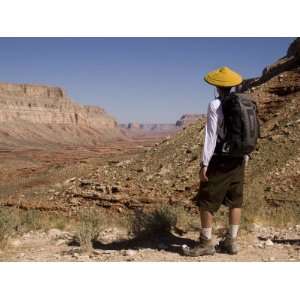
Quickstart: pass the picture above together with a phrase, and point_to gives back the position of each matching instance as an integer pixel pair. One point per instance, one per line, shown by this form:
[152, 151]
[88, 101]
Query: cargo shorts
[224, 186]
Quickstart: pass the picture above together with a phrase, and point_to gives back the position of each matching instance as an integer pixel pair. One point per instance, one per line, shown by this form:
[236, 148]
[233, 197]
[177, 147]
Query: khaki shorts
[224, 185]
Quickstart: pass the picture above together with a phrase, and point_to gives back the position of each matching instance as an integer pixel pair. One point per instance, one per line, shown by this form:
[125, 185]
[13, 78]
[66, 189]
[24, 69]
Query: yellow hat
[223, 77]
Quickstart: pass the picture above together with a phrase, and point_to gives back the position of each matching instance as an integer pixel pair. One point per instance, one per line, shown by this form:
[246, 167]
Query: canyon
[36, 115]
[132, 175]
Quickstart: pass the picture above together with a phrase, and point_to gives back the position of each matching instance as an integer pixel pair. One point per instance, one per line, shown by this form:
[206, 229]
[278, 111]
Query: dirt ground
[24, 173]
[31, 172]
[261, 244]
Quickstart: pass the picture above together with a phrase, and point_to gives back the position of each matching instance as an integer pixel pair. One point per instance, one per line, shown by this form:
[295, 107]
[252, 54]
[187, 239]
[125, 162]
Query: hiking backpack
[241, 126]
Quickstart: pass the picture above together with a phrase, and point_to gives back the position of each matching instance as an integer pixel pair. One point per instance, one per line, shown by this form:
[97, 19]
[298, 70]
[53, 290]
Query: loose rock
[130, 252]
[269, 243]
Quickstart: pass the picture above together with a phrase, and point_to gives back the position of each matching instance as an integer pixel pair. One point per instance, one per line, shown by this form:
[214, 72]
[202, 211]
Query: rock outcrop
[286, 63]
[137, 129]
[36, 114]
[188, 119]
[149, 127]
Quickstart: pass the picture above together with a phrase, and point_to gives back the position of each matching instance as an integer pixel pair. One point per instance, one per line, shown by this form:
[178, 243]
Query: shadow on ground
[169, 242]
[294, 242]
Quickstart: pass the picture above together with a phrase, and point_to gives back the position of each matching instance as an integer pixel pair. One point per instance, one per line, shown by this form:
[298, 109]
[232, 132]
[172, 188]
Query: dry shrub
[91, 223]
[8, 225]
[160, 221]
[34, 219]
[186, 220]
[58, 221]
[31, 220]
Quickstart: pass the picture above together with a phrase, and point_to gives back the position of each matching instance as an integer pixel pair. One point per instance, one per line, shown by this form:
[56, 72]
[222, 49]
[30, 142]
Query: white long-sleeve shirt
[214, 128]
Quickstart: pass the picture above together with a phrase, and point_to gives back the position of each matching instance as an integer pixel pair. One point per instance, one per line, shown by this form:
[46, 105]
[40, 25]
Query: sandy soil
[262, 244]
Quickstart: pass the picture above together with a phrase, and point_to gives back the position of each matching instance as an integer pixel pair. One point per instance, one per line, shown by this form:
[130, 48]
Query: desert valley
[75, 185]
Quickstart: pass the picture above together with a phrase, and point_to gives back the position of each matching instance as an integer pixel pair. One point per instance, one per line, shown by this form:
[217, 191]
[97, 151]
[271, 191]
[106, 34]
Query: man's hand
[202, 174]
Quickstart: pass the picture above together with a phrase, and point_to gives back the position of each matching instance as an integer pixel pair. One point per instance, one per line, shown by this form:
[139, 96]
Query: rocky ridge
[36, 114]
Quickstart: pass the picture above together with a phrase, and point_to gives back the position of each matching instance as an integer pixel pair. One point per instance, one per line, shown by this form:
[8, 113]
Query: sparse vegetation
[31, 220]
[34, 219]
[187, 221]
[159, 221]
[8, 225]
[91, 222]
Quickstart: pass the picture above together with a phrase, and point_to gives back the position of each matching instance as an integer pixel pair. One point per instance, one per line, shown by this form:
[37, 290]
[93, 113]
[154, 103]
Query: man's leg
[234, 221]
[206, 245]
[206, 224]
[229, 244]
[235, 216]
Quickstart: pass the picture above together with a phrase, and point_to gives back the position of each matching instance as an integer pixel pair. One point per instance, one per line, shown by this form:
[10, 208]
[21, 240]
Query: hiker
[224, 159]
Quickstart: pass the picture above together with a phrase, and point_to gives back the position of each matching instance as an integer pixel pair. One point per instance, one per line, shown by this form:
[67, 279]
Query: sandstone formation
[137, 129]
[133, 125]
[148, 127]
[36, 114]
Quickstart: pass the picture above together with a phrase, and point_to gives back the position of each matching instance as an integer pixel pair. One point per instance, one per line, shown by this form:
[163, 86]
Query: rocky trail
[259, 243]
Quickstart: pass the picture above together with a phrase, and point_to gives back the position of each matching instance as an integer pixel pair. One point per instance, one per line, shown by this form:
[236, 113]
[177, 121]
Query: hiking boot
[229, 245]
[205, 247]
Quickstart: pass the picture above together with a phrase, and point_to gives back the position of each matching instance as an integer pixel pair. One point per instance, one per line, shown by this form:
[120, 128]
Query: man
[221, 177]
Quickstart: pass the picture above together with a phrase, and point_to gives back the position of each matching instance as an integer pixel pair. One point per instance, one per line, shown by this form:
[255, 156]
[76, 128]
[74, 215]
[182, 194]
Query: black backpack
[241, 126]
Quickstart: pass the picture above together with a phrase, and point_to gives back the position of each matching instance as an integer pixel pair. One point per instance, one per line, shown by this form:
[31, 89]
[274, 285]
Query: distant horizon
[135, 80]
[87, 104]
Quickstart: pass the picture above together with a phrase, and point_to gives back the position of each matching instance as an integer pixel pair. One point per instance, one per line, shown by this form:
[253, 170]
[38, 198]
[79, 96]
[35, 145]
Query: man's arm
[210, 140]
[210, 134]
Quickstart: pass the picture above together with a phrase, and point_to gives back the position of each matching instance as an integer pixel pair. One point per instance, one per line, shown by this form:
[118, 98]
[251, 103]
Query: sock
[206, 233]
[233, 231]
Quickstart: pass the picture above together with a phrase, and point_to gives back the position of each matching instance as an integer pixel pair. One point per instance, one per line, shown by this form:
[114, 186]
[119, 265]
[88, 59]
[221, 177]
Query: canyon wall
[28, 111]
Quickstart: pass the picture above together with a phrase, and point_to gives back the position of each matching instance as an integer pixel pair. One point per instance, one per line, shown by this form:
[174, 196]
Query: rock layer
[136, 129]
[59, 119]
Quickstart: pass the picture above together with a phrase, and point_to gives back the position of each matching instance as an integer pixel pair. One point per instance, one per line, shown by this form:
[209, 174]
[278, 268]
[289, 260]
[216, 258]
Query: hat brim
[221, 83]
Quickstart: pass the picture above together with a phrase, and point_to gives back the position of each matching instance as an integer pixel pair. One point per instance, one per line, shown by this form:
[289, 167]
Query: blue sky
[135, 79]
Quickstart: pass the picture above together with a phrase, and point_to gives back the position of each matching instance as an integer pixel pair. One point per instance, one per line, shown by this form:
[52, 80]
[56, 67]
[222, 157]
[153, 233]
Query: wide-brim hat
[223, 77]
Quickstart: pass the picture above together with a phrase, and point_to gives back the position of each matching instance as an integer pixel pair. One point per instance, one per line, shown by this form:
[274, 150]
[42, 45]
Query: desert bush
[31, 220]
[58, 221]
[160, 221]
[8, 224]
[91, 222]
[187, 220]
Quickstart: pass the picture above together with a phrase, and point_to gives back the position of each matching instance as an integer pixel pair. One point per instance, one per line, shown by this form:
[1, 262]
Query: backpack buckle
[226, 148]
